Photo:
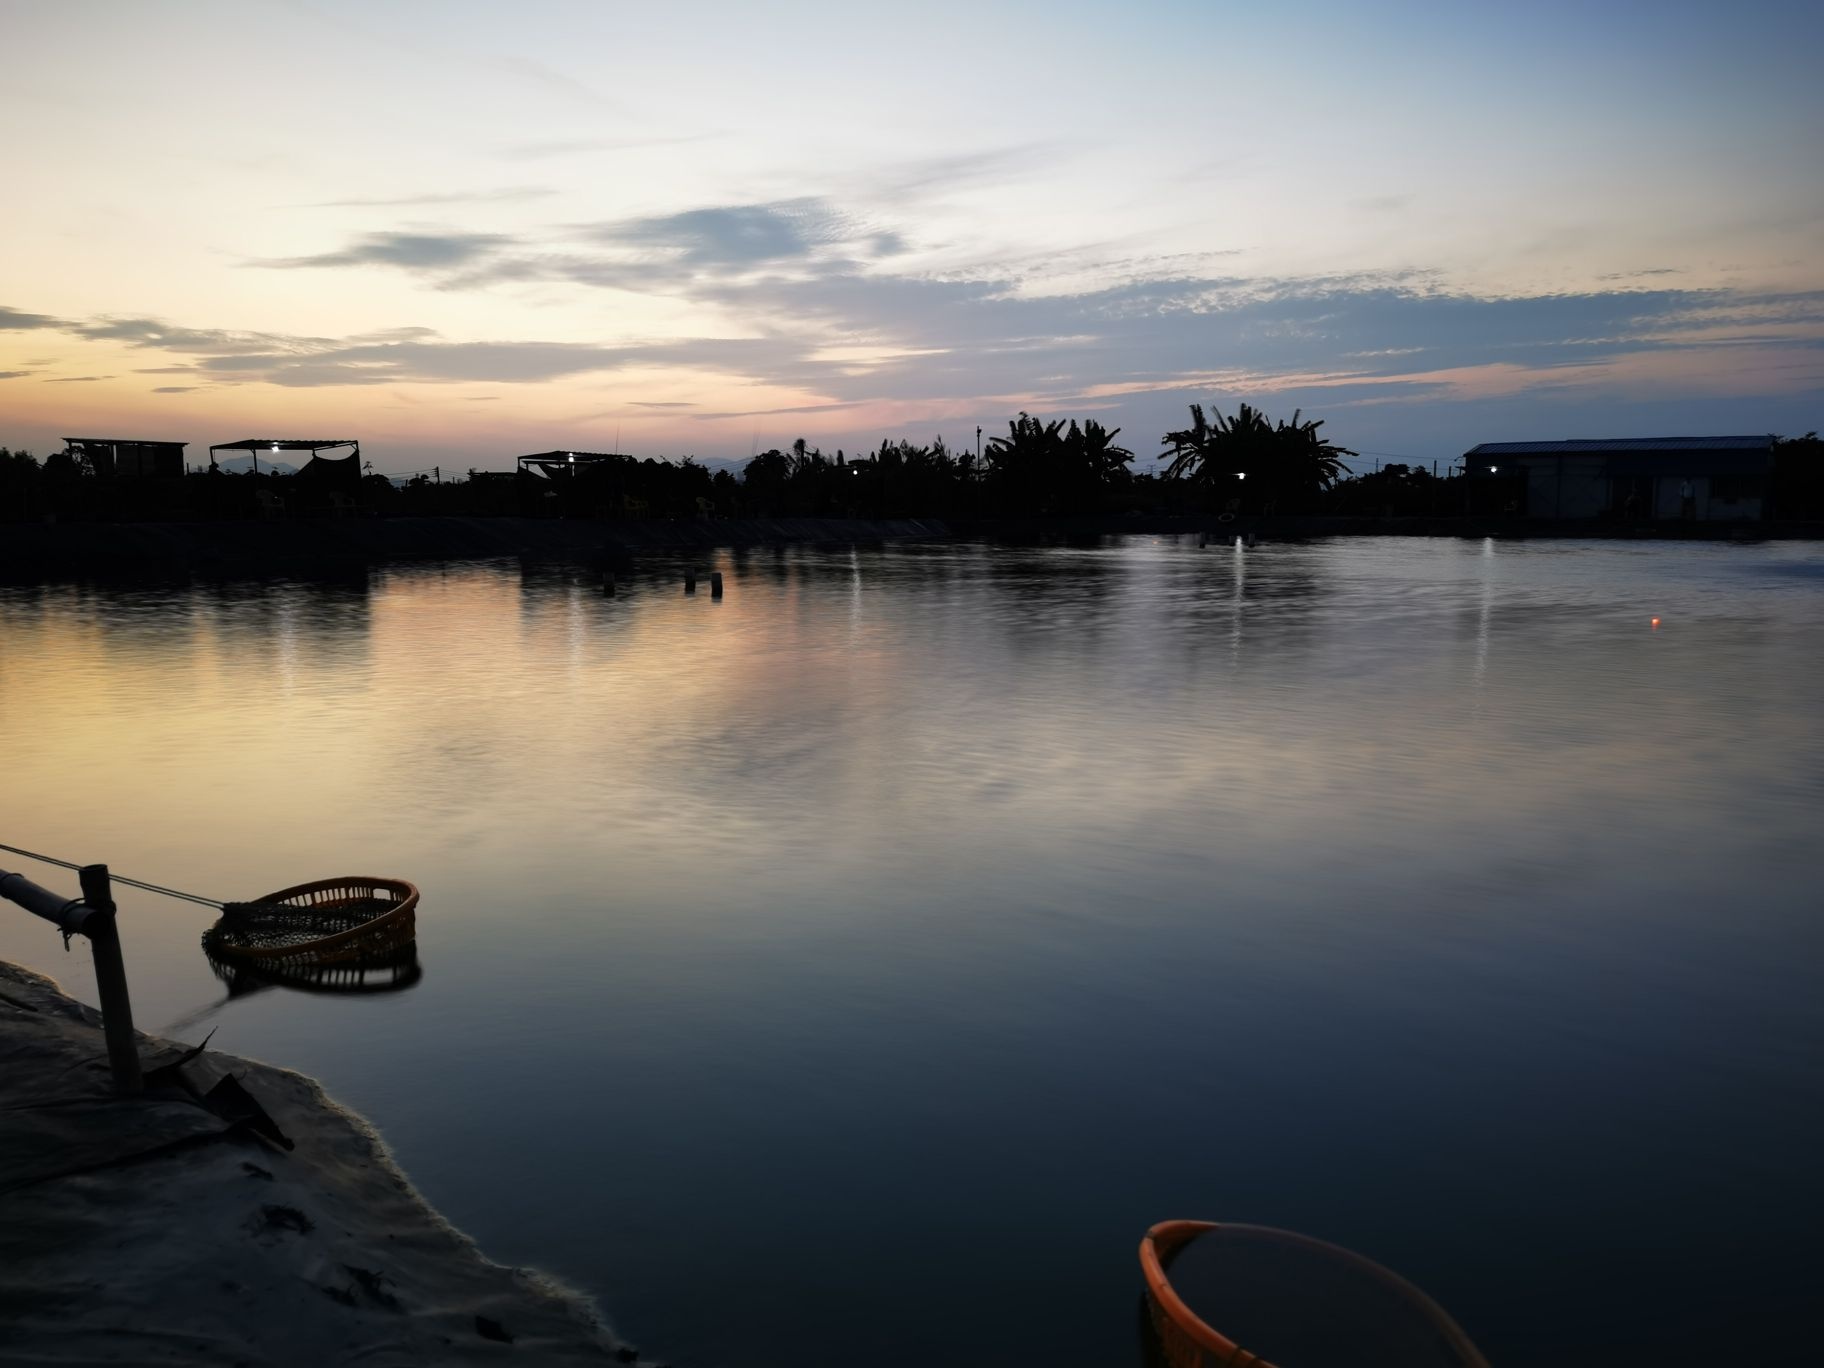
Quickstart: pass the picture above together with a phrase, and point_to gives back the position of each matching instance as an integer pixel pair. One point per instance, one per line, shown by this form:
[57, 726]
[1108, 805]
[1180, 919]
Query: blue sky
[464, 231]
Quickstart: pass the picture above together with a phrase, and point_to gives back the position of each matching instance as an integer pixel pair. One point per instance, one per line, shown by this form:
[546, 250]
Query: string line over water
[197, 898]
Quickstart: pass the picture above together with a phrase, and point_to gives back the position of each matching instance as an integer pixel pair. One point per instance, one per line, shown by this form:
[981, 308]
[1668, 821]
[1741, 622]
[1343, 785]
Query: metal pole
[111, 979]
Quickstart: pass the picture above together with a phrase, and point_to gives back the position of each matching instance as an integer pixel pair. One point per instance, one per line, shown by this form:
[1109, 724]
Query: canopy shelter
[560, 465]
[342, 467]
[128, 458]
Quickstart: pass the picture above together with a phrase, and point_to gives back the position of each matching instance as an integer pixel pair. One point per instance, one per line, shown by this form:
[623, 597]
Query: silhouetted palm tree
[1283, 460]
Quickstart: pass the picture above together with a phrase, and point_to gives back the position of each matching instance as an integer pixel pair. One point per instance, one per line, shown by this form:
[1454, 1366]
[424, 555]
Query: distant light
[1241, 474]
[854, 471]
[1493, 469]
[275, 446]
[573, 458]
[1656, 622]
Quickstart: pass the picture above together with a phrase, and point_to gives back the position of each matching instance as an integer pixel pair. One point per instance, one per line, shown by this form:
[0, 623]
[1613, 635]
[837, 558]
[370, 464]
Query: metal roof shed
[128, 457]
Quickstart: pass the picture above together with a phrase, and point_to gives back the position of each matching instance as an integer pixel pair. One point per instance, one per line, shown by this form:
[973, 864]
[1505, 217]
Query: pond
[850, 969]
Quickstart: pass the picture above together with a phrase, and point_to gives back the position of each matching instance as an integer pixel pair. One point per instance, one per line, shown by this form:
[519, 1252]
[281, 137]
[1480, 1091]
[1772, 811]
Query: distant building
[128, 458]
[560, 465]
[1720, 478]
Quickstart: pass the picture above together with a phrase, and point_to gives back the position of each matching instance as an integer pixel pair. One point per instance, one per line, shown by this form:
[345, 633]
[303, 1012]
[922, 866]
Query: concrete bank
[29, 550]
[159, 1229]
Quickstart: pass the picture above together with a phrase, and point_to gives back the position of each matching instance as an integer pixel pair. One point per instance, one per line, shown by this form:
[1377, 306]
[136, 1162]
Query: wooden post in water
[715, 584]
[690, 580]
[111, 979]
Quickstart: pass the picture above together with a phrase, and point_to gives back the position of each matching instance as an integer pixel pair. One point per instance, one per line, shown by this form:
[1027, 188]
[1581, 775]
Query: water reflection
[1411, 894]
[391, 973]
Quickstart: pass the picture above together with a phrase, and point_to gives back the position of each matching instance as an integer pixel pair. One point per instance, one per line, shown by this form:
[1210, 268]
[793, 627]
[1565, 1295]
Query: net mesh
[271, 925]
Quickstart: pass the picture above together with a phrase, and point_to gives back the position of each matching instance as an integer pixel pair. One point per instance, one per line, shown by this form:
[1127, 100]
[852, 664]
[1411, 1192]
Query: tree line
[1245, 463]
[1041, 468]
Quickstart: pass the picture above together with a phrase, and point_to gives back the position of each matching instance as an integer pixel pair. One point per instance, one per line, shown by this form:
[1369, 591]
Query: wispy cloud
[651, 254]
[15, 320]
[13, 375]
[76, 379]
[505, 195]
[548, 78]
[923, 178]
[567, 147]
[836, 319]
[174, 389]
[732, 236]
[410, 251]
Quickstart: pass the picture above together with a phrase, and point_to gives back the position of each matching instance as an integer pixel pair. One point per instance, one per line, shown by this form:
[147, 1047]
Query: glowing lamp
[1241, 474]
[1493, 469]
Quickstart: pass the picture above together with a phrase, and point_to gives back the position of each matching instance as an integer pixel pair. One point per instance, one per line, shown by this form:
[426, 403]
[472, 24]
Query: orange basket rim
[1167, 1236]
[405, 888]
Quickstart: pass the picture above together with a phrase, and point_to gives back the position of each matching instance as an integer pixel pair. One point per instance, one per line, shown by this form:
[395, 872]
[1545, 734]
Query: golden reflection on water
[847, 712]
[1376, 843]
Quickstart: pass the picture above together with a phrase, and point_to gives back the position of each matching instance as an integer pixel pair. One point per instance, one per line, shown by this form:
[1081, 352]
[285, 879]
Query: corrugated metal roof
[1618, 445]
[284, 444]
[126, 441]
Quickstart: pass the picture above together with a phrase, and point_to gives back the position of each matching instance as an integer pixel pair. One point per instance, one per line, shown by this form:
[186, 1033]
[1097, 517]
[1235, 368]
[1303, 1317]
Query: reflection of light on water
[576, 625]
[854, 594]
[285, 645]
[1483, 617]
[1238, 560]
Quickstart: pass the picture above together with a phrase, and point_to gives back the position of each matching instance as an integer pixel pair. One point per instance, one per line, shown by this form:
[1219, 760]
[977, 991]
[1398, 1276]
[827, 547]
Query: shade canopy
[310, 444]
[558, 464]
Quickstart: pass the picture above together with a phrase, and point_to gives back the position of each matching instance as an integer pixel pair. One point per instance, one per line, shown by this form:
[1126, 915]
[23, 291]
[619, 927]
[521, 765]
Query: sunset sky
[464, 231]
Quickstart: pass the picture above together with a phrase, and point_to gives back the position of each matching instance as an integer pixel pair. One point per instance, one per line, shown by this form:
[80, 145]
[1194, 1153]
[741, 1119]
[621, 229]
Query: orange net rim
[396, 923]
[1167, 1236]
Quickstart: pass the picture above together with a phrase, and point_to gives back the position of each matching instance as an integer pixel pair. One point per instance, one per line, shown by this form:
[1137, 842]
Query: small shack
[128, 458]
[1624, 478]
[338, 472]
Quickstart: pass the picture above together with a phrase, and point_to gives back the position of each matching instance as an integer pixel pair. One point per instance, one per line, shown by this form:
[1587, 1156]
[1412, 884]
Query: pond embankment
[303, 545]
[29, 549]
[165, 1229]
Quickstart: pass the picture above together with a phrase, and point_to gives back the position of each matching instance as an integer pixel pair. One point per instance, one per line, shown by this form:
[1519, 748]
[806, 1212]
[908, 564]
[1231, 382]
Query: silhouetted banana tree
[1025, 464]
[1102, 461]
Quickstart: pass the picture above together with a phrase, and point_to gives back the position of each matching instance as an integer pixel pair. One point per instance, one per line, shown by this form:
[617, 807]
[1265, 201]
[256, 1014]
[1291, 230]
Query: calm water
[847, 972]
